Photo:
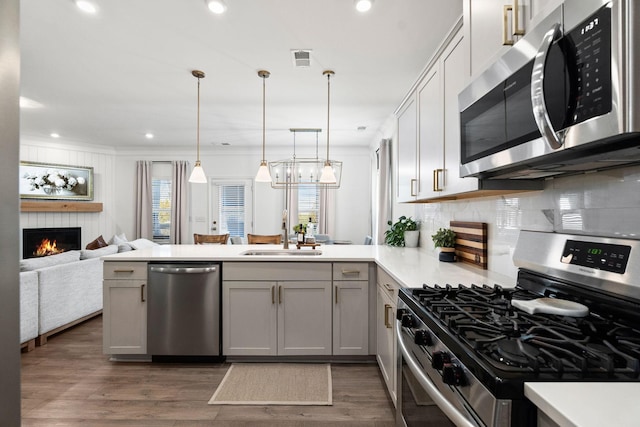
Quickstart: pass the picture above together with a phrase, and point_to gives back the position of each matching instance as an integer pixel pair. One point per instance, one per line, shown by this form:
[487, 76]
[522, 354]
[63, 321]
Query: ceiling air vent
[301, 58]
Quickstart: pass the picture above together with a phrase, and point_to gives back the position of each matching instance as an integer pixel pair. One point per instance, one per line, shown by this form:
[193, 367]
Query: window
[161, 209]
[231, 209]
[308, 204]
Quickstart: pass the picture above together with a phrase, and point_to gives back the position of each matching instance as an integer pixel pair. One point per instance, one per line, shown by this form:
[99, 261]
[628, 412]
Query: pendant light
[328, 176]
[263, 174]
[197, 175]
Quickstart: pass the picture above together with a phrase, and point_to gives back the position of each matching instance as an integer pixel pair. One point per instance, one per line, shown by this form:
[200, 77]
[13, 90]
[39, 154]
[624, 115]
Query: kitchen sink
[278, 252]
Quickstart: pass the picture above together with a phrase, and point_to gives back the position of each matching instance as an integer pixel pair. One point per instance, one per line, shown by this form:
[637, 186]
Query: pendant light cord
[198, 125]
[264, 77]
[328, 73]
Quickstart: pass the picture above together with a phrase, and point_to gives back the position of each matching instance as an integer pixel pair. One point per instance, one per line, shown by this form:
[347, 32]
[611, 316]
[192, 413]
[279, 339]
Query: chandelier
[308, 171]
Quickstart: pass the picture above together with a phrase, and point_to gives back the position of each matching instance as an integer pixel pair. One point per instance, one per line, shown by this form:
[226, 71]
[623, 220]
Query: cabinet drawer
[125, 270]
[350, 271]
[387, 284]
[276, 271]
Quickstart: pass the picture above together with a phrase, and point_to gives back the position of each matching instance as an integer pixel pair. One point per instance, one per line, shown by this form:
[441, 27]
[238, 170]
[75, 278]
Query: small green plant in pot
[395, 235]
[445, 239]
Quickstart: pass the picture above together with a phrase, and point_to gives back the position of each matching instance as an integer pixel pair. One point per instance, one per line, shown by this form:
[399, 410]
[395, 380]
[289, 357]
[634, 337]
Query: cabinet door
[385, 334]
[407, 151]
[304, 318]
[431, 164]
[536, 10]
[351, 317]
[124, 317]
[453, 65]
[483, 23]
[249, 311]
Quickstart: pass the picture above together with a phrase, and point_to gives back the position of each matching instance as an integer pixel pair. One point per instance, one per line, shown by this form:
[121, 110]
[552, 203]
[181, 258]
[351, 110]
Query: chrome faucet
[285, 227]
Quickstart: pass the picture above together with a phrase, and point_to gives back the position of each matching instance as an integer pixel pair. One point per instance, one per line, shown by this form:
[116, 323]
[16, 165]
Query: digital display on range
[599, 256]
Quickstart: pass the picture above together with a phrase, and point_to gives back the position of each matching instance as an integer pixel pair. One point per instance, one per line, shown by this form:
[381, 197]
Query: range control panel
[600, 256]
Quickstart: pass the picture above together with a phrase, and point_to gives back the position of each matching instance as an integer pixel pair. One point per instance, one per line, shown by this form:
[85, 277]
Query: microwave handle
[540, 112]
[450, 411]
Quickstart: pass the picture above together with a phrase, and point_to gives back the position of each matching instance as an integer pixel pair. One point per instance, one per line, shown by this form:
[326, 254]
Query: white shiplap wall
[102, 159]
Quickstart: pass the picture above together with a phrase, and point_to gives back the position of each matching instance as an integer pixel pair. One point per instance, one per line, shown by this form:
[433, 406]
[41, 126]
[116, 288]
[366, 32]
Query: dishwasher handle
[182, 270]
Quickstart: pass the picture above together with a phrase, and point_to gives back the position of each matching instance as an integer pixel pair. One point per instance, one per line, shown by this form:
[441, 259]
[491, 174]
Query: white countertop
[411, 267]
[587, 404]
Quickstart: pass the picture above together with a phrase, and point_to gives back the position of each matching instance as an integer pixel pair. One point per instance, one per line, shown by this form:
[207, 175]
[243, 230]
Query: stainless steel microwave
[564, 99]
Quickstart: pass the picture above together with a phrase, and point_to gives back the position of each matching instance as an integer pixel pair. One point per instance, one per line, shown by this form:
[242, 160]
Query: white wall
[102, 159]
[353, 201]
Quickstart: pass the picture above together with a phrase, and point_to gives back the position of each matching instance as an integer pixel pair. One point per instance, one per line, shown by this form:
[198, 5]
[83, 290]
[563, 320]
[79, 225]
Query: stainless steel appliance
[564, 99]
[573, 315]
[183, 309]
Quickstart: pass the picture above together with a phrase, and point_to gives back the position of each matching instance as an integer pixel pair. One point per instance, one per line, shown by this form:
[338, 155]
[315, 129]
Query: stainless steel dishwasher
[183, 311]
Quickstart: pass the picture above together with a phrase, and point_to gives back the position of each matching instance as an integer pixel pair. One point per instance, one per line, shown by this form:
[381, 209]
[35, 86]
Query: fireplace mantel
[60, 206]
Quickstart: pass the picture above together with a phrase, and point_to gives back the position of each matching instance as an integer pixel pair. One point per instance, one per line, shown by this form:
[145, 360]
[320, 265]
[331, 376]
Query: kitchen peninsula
[339, 280]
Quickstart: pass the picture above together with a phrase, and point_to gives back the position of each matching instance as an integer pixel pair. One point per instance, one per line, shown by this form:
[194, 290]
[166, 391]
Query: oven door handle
[450, 411]
[540, 112]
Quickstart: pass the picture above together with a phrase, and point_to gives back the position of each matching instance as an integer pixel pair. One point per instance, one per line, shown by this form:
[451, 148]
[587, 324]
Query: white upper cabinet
[492, 26]
[407, 182]
[431, 133]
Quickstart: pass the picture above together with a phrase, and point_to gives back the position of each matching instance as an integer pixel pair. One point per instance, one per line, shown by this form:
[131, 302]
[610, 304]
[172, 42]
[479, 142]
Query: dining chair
[200, 239]
[236, 240]
[264, 238]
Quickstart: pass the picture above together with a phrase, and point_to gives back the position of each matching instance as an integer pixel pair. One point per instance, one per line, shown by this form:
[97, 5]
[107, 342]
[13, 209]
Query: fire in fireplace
[38, 242]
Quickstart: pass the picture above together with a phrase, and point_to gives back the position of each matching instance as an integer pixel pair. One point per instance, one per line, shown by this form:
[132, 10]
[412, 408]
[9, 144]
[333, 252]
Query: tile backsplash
[604, 203]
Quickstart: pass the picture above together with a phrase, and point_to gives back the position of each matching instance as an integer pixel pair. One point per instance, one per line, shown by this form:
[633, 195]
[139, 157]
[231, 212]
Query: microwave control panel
[590, 44]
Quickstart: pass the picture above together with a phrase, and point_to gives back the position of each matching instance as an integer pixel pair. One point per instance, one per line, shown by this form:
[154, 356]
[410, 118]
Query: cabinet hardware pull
[389, 288]
[273, 295]
[413, 193]
[128, 270]
[436, 179]
[349, 272]
[386, 316]
[506, 40]
[336, 294]
[142, 293]
[280, 294]
[516, 20]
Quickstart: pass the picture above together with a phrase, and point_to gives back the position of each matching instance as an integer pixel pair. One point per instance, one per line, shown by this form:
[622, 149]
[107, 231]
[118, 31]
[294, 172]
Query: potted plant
[445, 239]
[403, 232]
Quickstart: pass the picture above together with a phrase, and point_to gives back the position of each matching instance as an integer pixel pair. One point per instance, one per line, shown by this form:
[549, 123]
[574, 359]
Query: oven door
[420, 401]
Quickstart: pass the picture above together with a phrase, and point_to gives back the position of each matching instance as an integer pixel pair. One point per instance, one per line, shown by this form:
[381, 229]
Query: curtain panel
[179, 231]
[144, 200]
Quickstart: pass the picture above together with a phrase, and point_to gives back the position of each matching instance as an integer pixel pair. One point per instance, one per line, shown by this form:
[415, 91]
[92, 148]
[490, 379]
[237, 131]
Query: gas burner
[513, 352]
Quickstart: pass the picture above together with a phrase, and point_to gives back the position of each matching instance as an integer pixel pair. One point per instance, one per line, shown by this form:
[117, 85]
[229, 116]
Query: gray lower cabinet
[386, 352]
[125, 308]
[351, 309]
[276, 309]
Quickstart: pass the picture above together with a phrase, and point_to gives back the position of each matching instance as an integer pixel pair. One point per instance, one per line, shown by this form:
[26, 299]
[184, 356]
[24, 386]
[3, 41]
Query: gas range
[573, 315]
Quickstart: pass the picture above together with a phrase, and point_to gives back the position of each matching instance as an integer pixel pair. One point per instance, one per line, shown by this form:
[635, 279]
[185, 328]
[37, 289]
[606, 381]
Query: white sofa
[59, 291]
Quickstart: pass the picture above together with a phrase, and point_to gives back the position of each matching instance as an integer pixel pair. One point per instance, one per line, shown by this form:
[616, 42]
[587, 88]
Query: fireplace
[38, 242]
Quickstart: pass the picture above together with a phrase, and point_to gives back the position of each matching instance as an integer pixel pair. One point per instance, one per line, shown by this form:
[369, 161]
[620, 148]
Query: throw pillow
[97, 243]
[124, 247]
[118, 239]
[142, 243]
[48, 261]
[97, 253]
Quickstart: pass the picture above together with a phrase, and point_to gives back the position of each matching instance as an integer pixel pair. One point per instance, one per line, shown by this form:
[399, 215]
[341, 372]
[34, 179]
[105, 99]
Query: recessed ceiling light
[217, 6]
[148, 135]
[363, 5]
[87, 6]
[29, 103]
[54, 135]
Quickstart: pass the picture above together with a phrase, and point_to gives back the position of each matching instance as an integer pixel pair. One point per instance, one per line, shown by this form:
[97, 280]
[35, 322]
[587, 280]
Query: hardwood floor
[69, 382]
